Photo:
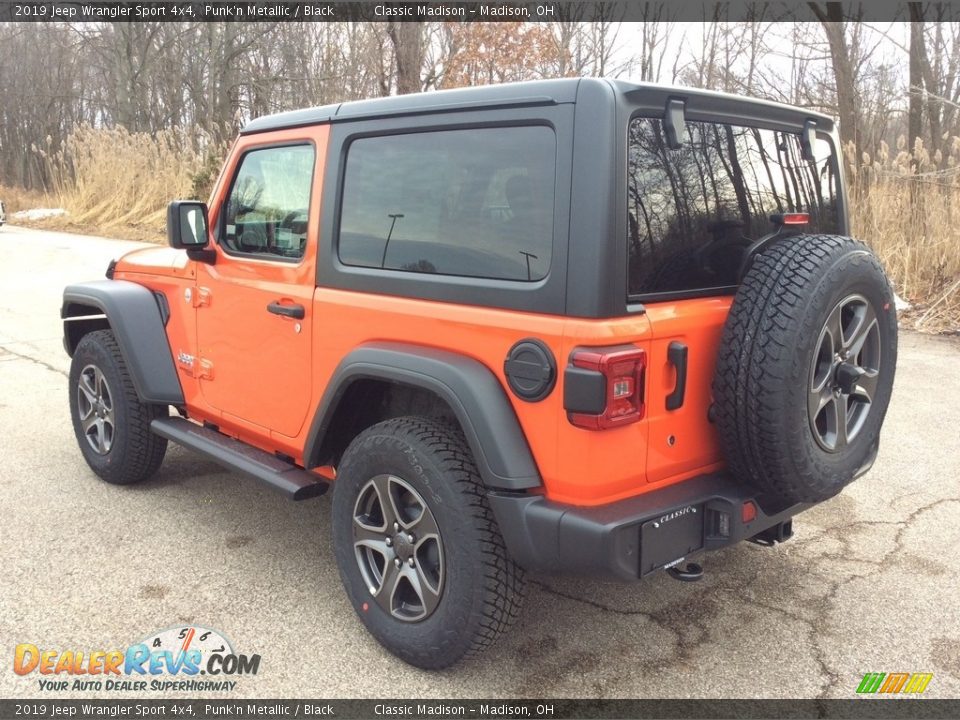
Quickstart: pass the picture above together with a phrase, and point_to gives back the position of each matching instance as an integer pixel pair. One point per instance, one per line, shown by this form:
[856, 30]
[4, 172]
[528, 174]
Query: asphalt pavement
[869, 583]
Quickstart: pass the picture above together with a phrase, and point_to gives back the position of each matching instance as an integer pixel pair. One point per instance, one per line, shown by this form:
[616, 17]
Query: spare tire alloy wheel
[398, 547]
[805, 369]
[844, 373]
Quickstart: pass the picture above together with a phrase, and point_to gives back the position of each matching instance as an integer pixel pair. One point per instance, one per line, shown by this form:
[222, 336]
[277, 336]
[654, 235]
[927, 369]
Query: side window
[475, 202]
[694, 211]
[269, 203]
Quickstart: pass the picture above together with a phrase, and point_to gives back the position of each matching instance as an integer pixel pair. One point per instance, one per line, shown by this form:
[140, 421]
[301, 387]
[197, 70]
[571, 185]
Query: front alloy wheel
[95, 405]
[111, 424]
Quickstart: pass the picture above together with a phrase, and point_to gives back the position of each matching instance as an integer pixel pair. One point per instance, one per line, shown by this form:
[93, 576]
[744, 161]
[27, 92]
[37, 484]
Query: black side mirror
[187, 229]
[187, 225]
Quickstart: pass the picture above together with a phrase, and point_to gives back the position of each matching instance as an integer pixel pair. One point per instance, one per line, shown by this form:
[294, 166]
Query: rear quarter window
[474, 202]
[693, 211]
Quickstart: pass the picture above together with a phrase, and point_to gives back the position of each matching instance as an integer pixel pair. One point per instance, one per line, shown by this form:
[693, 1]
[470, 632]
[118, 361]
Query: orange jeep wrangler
[574, 325]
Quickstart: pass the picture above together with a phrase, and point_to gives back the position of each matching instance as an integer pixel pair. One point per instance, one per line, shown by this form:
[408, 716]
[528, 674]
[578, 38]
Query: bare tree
[407, 41]
[843, 38]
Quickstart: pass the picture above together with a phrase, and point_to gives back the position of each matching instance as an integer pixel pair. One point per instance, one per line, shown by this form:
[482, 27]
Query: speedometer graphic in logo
[190, 639]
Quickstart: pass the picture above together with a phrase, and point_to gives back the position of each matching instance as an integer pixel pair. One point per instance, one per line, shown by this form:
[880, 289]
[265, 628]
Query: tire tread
[143, 451]
[758, 359]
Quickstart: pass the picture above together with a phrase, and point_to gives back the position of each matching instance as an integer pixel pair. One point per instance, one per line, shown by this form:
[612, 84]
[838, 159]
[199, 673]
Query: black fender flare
[134, 315]
[471, 390]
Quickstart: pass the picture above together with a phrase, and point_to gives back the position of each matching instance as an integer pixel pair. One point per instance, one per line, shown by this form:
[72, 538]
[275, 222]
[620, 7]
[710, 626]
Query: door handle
[293, 311]
[677, 356]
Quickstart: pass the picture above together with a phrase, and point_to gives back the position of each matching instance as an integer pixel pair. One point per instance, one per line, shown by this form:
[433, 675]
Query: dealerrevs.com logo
[189, 659]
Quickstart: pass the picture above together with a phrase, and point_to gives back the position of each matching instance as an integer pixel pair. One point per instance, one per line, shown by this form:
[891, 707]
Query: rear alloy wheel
[419, 551]
[398, 547]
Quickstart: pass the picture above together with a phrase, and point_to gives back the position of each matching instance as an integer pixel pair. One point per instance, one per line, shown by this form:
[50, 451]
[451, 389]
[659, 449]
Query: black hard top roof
[534, 92]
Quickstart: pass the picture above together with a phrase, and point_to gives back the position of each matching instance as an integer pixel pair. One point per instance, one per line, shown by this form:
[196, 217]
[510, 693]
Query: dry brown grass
[120, 182]
[16, 199]
[906, 205]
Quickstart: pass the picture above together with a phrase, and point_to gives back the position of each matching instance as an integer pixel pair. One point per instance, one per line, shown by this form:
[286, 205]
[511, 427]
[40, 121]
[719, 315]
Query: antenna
[528, 255]
[393, 223]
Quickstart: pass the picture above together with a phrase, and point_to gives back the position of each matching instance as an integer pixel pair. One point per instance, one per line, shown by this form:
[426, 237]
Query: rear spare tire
[805, 368]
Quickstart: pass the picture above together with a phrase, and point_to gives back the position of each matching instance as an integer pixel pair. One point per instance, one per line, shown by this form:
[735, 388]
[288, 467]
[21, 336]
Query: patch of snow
[38, 213]
[900, 303]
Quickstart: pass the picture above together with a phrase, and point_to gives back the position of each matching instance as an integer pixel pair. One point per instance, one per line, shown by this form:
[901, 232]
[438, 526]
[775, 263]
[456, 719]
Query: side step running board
[295, 482]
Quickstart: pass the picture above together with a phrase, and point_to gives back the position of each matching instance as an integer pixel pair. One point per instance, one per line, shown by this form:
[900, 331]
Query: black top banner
[400, 709]
[334, 11]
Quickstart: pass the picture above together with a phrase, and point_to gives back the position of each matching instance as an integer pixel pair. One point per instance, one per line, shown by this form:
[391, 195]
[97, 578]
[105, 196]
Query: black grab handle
[677, 355]
[294, 311]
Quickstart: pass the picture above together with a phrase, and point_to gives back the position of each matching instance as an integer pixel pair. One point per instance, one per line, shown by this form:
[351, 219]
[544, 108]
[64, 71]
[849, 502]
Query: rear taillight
[619, 372]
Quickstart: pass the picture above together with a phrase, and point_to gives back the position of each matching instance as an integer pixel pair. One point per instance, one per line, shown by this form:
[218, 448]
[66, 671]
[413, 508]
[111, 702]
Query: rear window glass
[475, 202]
[693, 211]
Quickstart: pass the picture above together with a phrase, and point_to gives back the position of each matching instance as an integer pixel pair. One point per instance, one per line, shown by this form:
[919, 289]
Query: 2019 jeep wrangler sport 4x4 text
[567, 326]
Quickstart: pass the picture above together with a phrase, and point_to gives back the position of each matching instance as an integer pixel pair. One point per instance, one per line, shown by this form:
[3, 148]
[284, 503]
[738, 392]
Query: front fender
[135, 318]
[469, 388]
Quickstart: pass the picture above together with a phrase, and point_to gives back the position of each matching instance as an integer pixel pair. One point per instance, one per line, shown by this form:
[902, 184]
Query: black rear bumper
[634, 537]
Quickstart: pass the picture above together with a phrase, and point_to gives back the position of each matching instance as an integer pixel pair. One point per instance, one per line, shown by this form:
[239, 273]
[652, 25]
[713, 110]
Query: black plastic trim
[808, 138]
[545, 536]
[292, 311]
[295, 482]
[518, 367]
[137, 323]
[206, 255]
[175, 225]
[584, 391]
[677, 356]
[471, 390]
[163, 306]
[674, 124]
[672, 295]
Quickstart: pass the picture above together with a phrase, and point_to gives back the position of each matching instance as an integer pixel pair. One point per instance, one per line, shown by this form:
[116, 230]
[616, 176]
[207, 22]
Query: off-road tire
[765, 360]
[483, 588]
[135, 452]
